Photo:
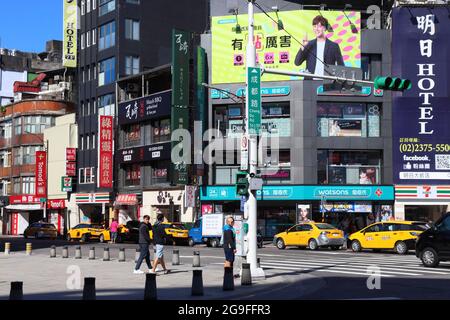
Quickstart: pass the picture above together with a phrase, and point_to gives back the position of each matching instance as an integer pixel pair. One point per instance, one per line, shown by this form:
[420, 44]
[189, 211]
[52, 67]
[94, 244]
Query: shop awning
[24, 207]
[126, 200]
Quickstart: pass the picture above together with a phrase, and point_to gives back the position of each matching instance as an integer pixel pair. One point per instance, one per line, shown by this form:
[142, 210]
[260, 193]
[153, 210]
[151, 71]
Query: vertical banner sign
[105, 177]
[41, 174]
[180, 99]
[254, 100]
[421, 116]
[70, 34]
[244, 152]
[201, 106]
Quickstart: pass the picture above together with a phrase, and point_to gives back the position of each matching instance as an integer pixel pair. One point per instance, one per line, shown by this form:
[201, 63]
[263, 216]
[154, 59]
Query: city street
[291, 274]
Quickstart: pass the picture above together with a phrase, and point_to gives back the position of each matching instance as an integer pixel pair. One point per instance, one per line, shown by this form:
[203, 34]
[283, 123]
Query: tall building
[119, 38]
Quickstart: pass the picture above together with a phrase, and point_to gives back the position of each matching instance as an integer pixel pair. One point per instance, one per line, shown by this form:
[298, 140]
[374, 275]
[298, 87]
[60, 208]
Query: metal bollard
[176, 258]
[196, 259]
[29, 249]
[122, 255]
[7, 248]
[65, 252]
[78, 252]
[137, 254]
[246, 279]
[92, 253]
[106, 254]
[89, 289]
[150, 287]
[228, 279]
[197, 283]
[16, 292]
[53, 252]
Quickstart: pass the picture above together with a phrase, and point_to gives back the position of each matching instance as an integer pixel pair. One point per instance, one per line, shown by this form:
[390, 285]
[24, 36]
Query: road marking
[332, 271]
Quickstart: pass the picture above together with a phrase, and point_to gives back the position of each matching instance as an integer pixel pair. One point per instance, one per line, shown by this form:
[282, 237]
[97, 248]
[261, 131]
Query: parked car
[176, 233]
[129, 232]
[86, 232]
[312, 235]
[399, 236]
[433, 245]
[40, 230]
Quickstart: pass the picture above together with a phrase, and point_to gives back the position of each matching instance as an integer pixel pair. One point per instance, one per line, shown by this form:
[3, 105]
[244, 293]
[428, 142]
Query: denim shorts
[159, 251]
[229, 255]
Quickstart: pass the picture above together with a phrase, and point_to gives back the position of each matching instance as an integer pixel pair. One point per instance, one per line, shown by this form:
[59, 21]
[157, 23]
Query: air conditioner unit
[132, 87]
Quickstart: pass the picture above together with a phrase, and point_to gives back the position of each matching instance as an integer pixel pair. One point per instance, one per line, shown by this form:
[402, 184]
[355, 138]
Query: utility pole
[253, 156]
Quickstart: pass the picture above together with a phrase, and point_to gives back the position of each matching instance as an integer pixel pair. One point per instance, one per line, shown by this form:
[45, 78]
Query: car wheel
[214, 243]
[335, 248]
[102, 238]
[280, 244]
[312, 244]
[356, 246]
[401, 247]
[85, 237]
[429, 258]
[191, 242]
[69, 238]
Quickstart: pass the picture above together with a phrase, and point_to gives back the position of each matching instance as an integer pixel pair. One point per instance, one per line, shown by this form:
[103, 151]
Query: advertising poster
[212, 225]
[278, 50]
[420, 116]
[345, 128]
[367, 175]
[207, 208]
[304, 213]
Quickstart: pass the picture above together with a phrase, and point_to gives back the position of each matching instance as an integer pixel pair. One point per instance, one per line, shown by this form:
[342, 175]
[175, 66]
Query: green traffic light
[405, 84]
[392, 83]
[382, 82]
[242, 184]
[395, 83]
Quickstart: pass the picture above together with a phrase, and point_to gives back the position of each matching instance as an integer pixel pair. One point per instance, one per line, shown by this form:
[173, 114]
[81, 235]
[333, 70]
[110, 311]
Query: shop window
[161, 130]
[160, 172]
[132, 135]
[133, 175]
[349, 167]
[28, 185]
[276, 167]
[348, 120]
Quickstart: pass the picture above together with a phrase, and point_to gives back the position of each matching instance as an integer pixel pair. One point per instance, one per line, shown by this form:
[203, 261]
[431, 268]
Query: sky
[26, 25]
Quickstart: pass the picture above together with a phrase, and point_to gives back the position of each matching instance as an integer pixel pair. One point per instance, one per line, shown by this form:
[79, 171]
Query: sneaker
[138, 272]
[151, 272]
[167, 271]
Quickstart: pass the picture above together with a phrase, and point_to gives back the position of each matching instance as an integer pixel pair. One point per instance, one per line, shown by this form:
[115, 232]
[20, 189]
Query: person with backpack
[229, 242]
[159, 237]
[144, 243]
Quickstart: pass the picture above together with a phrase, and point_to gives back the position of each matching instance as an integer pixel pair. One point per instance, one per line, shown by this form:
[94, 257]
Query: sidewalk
[46, 278]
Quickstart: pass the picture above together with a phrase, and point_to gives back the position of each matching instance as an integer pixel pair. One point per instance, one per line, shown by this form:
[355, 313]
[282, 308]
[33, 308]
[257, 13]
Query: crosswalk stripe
[346, 268]
[331, 271]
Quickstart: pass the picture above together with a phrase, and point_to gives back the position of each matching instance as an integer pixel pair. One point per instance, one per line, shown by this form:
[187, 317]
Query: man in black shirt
[144, 242]
[159, 236]
[229, 242]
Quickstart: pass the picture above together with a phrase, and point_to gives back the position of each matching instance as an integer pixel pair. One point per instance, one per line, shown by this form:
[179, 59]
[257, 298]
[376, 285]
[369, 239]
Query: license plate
[336, 234]
[180, 234]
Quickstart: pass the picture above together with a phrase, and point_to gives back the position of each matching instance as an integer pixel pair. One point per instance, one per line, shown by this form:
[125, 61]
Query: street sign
[66, 184]
[256, 184]
[243, 201]
[244, 153]
[254, 100]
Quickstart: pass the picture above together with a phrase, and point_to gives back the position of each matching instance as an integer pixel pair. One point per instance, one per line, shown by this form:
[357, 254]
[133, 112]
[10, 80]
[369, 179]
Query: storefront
[421, 203]
[170, 202]
[94, 208]
[22, 211]
[282, 206]
[56, 210]
[126, 208]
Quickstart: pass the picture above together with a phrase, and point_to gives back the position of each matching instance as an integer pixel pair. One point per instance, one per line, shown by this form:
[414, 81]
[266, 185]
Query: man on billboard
[319, 50]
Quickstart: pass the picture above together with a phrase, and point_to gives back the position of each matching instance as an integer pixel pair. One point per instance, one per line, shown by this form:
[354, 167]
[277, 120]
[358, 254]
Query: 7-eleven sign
[66, 184]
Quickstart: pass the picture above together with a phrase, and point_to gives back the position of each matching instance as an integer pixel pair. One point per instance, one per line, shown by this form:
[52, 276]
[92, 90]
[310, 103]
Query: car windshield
[419, 226]
[177, 226]
[48, 225]
[133, 224]
[324, 226]
[95, 226]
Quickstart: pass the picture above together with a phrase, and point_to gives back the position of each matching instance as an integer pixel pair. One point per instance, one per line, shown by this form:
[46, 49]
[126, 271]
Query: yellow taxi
[86, 232]
[176, 233]
[311, 235]
[399, 236]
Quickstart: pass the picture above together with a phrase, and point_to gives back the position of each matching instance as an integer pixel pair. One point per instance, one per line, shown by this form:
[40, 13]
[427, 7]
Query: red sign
[24, 199]
[56, 204]
[126, 199]
[41, 174]
[71, 169]
[71, 154]
[106, 128]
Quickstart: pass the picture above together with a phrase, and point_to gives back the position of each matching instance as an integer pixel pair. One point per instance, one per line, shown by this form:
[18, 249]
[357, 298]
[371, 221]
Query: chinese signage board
[66, 184]
[190, 196]
[41, 174]
[151, 107]
[278, 50]
[159, 151]
[420, 116]
[24, 199]
[56, 204]
[212, 224]
[70, 34]
[126, 199]
[106, 129]
[71, 168]
[71, 154]
[254, 101]
[273, 127]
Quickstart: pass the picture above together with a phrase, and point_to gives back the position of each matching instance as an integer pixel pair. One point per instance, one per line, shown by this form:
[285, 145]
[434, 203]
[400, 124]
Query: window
[276, 167]
[18, 126]
[17, 156]
[82, 41]
[81, 177]
[29, 154]
[94, 4]
[5, 130]
[107, 71]
[106, 105]
[88, 73]
[349, 167]
[132, 31]
[370, 65]
[87, 142]
[107, 38]
[28, 185]
[132, 175]
[133, 1]
[93, 141]
[88, 6]
[94, 72]
[16, 185]
[83, 75]
[94, 106]
[348, 120]
[106, 6]
[161, 130]
[374, 228]
[37, 124]
[86, 175]
[160, 172]
[132, 135]
[82, 142]
[94, 36]
[132, 65]
[88, 39]
[83, 7]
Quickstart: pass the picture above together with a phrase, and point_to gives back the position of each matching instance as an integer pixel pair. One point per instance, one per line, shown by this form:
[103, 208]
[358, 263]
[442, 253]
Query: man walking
[229, 242]
[144, 242]
[159, 235]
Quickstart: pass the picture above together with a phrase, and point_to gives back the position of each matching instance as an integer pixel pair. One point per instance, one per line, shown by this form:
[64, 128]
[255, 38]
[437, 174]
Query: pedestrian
[144, 243]
[113, 229]
[229, 242]
[159, 237]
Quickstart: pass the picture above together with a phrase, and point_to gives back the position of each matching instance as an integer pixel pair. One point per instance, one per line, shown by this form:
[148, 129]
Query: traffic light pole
[251, 206]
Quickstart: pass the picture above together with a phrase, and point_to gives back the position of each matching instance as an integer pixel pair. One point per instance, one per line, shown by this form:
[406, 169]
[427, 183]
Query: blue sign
[299, 193]
[421, 116]
[243, 201]
[268, 92]
[219, 94]
[365, 92]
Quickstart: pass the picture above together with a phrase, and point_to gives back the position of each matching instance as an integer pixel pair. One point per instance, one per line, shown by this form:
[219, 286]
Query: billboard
[105, 151]
[70, 34]
[277, 49]
[420, 116]
[41, 174]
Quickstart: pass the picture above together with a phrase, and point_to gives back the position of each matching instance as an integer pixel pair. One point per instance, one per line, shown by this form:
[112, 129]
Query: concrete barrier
[78, 253]
[7, 248]
[150, 291]
[106, 254]
[246, 279]
[197, 283]
[92, 253]
[176, 258]
[122, 255]
[53, 252]
[196, 259]
[16, 292]
[228, 279]
[29, 249]
[65, 252]
[89, 289]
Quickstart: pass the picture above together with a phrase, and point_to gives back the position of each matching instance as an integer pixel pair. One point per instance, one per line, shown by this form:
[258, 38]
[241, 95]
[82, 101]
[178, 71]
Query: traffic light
[392, 83]
[245, 227]
[241, 183]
